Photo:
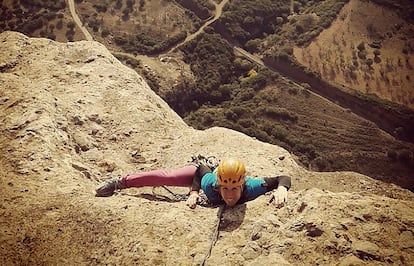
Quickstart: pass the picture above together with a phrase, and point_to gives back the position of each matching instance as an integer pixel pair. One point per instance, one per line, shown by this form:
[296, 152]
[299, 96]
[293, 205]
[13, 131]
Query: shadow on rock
[233, 217]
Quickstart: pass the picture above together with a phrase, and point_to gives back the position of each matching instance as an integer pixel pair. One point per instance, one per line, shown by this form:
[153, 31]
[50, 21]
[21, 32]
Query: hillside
[208, 85]
[72, 115]
[365, 53]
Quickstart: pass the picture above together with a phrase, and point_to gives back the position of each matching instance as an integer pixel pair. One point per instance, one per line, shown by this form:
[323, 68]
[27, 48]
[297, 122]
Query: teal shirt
[253, 188]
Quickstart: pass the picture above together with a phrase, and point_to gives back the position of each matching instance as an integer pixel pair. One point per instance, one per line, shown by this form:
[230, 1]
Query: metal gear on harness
[210, 161]
[203, 200]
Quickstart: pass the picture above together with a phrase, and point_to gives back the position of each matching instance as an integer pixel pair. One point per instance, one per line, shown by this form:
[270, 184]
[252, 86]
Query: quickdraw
[203, 200]
[211, 161]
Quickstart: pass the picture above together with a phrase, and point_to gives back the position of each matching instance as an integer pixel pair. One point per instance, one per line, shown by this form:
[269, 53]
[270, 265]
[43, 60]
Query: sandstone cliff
[71, 115]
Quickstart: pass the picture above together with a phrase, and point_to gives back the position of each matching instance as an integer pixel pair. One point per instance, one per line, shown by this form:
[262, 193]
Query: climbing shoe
[108, 188]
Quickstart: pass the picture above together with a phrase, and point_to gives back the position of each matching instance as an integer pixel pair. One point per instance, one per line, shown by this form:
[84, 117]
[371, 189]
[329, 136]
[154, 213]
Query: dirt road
[78, 22]
[217, 14]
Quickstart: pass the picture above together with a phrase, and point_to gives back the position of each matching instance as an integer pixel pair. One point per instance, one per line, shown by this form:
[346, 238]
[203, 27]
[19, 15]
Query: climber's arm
[280, 186]
[196, 186]
[275, 182]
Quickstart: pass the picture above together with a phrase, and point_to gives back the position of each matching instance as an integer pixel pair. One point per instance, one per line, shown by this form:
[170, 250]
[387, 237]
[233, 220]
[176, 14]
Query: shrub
[405, 156]
[239, 111]
[230, 115]
[125, 16]
[253, 45]
[257, 82]
[71, 25]
[51, 36]
[247, 94]
[305, 86]
[278, 113]
[353, 75]
[105, 33]
[225, 91]
[243, 64]
[59, 24]
[293, 90]
[306, 93]
[369, 62]
[141, 3]
[101, 8]
[208, 119]
[306, 148]
[392, 154]
[279, 132]
[118, 4]
[119, 40]
[261, 135]
[362, 54]
[321, 163]
[247, 122]
[355, 63]
[70, 36]
[361, 46]
[279, 20]
[266, 126]
[130, 3]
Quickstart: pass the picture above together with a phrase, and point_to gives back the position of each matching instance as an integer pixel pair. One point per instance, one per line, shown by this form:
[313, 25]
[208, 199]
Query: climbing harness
[210, 161]
[215, 234]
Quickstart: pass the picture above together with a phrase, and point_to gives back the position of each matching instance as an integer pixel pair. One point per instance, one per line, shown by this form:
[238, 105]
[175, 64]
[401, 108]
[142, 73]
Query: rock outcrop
[72, 115]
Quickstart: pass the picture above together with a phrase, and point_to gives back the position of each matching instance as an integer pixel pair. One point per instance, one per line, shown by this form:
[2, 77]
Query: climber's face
[231, 195]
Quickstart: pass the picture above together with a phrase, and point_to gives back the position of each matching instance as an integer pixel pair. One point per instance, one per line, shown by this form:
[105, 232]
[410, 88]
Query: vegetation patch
[225, 90]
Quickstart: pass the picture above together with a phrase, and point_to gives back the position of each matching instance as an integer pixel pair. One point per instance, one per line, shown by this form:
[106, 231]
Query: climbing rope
[202, 201]
[215, 234]
[175, 196]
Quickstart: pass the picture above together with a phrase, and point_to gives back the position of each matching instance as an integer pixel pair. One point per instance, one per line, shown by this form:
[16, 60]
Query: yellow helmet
[231, 173]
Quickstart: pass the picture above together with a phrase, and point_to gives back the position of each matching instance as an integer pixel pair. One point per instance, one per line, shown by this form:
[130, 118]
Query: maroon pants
[181, 177]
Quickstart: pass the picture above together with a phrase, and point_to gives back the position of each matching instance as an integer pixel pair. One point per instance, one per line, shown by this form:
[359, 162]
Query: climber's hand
[279, 197]
[193, 199]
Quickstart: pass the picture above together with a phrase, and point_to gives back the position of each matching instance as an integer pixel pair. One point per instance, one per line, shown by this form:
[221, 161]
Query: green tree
[361, 46]
[71, 25]
[369, 62]
[253, 45]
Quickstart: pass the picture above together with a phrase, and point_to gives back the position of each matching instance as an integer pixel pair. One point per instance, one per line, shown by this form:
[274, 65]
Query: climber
[227, 184]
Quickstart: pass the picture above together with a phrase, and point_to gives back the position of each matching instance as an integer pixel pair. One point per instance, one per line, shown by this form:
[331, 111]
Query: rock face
[71, 115]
